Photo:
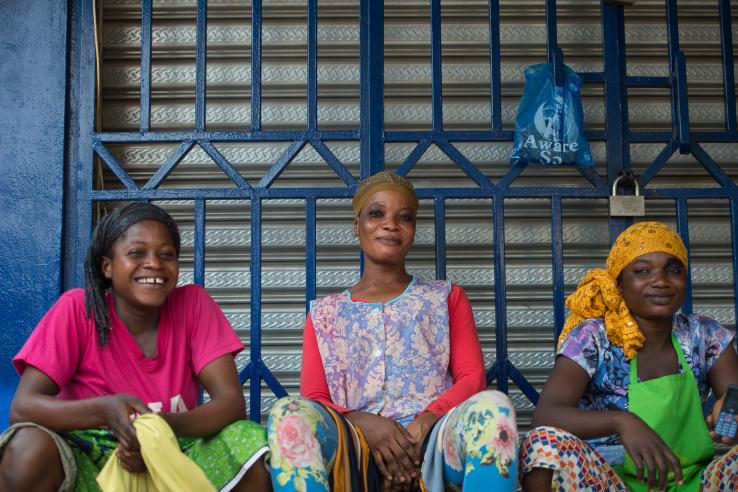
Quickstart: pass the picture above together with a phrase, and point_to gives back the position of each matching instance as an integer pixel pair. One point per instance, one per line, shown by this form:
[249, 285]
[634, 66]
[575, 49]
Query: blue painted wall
[33, 54]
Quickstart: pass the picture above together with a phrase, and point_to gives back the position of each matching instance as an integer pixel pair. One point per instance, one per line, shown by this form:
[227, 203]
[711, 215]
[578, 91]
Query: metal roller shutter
[466, 74]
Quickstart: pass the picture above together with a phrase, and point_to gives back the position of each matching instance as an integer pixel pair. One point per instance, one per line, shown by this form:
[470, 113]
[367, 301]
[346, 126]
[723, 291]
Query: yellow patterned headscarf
[598, 295]
[382, 181]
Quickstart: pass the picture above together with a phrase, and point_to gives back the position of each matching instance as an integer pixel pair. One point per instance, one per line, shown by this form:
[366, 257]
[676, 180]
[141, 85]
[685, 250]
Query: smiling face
[653, 287]
[386, 227]
[142, 267]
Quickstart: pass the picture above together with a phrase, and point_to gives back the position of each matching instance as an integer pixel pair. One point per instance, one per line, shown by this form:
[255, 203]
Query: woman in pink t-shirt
[130, 343]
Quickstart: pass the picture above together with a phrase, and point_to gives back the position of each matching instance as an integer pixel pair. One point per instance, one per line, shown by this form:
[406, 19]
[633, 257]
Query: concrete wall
[33, 55]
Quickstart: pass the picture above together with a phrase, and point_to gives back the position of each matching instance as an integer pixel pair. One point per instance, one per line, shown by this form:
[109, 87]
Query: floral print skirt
[473, 447]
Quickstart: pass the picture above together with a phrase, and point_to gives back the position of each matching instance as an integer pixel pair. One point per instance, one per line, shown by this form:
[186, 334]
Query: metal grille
[252, 121]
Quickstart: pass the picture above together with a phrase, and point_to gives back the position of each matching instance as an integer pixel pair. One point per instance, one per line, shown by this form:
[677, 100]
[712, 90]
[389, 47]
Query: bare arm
[226, 405]
[557, 406]
[34, 401]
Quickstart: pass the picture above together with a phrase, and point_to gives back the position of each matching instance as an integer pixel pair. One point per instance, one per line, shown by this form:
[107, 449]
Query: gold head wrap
[598, 295]
[382, 181]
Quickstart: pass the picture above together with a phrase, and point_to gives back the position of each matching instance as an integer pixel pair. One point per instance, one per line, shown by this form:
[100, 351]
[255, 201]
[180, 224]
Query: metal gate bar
[86, 143]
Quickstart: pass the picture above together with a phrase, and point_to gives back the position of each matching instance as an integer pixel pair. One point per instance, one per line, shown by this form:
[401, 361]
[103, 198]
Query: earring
[356, 233]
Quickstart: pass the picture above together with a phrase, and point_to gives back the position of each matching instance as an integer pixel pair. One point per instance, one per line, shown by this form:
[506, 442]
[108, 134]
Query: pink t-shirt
[192, 333]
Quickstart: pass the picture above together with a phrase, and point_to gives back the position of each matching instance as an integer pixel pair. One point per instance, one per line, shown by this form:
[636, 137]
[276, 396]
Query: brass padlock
[627, 205]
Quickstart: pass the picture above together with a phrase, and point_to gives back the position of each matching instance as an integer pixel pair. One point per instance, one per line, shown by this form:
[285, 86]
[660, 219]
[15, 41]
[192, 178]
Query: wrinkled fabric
[167, 468]
[389, 358]
[549, 126]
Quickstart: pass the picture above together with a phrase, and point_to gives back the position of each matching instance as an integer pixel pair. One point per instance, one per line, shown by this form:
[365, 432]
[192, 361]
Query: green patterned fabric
[224, 458]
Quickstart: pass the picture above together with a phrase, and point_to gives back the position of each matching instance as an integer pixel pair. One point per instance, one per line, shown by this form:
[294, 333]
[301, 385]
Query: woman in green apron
[623, 406]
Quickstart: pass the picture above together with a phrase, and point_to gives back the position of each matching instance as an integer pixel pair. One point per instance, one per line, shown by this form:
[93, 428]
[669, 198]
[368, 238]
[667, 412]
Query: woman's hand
[647, 450]
[392, 447]
[118, 411]
[419, 428]
[131, 461]
[712, 418]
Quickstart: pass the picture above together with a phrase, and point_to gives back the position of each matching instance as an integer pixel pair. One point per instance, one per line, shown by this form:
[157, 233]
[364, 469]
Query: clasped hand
[117, 412]
[396, 450]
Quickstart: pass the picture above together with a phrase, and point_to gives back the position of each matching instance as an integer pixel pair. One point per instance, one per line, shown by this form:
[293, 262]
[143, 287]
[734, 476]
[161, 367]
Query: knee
[496, 398]
[545, 439]
[291, 414]
[490, 402]
[286, 406]
[292, 431]
[487, 417]
[545, 436]
[31, 458]
[546, 451]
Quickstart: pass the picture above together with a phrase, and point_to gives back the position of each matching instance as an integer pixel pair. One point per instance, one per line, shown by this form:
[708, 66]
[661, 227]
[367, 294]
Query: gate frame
[84, 143]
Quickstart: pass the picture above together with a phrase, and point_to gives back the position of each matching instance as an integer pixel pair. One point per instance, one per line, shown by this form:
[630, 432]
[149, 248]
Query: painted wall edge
[32, 148]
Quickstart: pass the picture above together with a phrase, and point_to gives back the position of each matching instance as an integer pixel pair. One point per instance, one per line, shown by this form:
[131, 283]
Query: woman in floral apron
[392, 370]
[623, 407]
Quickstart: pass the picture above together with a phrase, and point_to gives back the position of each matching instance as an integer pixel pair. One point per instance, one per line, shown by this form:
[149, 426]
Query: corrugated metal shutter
[408, 106]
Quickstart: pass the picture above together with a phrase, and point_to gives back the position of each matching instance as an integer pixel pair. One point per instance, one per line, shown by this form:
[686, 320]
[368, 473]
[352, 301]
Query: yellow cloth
[598, 294]
[381, 182]
[168, 468]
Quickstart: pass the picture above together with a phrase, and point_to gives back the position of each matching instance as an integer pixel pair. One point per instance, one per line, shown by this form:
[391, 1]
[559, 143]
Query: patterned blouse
[702, 339]
[388, 358]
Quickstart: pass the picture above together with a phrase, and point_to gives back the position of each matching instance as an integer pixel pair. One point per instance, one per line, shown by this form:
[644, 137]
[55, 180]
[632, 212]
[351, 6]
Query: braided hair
[107, 232]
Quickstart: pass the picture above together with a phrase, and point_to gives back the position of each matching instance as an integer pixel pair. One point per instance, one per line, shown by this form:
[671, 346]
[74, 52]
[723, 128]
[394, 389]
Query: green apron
[670, 405]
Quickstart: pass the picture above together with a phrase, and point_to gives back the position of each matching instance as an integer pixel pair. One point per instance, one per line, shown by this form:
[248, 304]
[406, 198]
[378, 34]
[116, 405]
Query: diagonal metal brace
[679, 84]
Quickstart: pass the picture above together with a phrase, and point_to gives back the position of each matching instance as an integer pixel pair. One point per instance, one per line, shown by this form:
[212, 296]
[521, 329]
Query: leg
[31, 462]
[303, 441]
[480, 444]
[553, 459]
[538, 479]
[257, 479]
[722, 473]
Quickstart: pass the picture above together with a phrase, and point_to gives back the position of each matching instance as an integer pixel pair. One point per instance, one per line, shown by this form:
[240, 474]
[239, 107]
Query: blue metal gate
[86, 145]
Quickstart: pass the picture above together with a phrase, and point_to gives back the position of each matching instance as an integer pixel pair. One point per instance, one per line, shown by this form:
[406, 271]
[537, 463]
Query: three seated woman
[393, 390]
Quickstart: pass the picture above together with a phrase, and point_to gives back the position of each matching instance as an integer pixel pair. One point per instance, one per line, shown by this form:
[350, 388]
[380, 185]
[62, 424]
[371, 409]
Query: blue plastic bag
[549, 128]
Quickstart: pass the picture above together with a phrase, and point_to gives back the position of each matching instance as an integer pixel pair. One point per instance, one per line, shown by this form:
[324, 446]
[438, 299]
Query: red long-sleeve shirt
[465, 361]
